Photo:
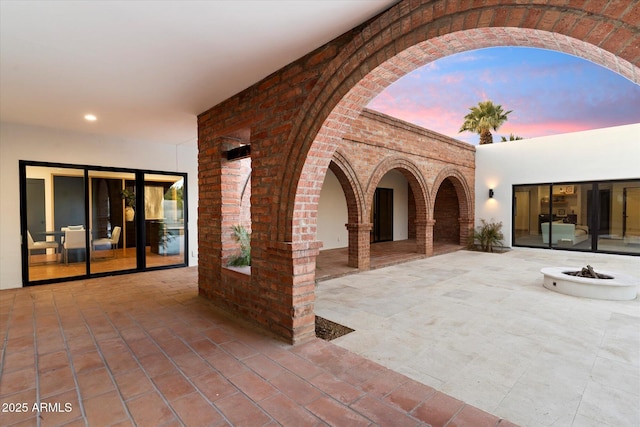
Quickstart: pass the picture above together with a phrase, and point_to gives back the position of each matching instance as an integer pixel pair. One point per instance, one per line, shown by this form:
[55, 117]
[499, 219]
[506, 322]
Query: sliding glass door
[81, 221]
[593, 216]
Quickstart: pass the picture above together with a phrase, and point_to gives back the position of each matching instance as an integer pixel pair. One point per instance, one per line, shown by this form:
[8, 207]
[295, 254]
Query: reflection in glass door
[164, 213]
[55, 223]
[111, 223]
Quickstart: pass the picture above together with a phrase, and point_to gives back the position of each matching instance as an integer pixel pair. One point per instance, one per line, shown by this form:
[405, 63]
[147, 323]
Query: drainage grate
[328, 330]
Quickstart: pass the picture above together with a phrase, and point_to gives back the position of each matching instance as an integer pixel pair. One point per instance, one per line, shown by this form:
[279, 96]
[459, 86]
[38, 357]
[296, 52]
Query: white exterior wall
[18, 142]
[333, 215]
[602, 154]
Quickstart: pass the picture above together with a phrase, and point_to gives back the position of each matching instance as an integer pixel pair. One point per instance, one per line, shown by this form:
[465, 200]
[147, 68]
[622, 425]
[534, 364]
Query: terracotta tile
[85, 362]
[217, 335]
[55, 381]
[51, 361]
[298, 365]
[156, 364]
[104, 409]
[214, 386]
[239, 410]
[470, 416]
[225, 364]
[295, 388]
[381, 413]
[94, 383]
[19, 344]
[334, 413]
[238, 349]
[173, 386]
[287, 412]
[143, 347]
[50, 344]
[194, 410]
[21, 414]
[81, 344]
[149, 410]
[254, 386]
[263, 366]
[133, 383]
[361, 372]
[60, 409]
[191, 364]
[174, 347]
[384, 383]
[204, 347]
[409, 395]
[438, 409]
[17, 381]
[336, 388]
[19, 360]
[121, 362]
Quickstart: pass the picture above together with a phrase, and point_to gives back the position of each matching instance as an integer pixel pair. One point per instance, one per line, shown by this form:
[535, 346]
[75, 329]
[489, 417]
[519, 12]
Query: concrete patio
[481, 328]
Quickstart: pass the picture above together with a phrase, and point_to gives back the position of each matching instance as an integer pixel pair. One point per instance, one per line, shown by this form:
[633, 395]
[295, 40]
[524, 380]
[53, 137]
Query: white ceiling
[147, 68]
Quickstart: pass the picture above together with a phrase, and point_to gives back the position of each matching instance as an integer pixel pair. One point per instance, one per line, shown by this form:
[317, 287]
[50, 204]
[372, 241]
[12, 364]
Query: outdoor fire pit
[588, 283]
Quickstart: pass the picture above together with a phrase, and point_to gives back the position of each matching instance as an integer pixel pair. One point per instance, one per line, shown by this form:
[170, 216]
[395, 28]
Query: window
[595, 216]
[81, 221]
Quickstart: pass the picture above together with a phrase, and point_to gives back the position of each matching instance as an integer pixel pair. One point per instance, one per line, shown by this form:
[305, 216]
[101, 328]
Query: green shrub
[242, 236]
[488, 235]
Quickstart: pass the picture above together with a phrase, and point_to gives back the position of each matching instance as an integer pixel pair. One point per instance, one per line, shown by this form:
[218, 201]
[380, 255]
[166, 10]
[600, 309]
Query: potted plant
[129, 198]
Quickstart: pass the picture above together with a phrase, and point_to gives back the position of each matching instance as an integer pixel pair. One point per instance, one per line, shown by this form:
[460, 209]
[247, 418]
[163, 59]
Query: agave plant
[242, 236]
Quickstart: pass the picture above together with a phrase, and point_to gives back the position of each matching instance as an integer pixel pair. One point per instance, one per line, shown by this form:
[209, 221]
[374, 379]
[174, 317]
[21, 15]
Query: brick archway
[464, 199]
[298, 115]
[418, 186]
[357, 227]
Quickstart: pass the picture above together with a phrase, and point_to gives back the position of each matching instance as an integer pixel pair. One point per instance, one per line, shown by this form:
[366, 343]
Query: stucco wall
[602, 154]
[18, 142]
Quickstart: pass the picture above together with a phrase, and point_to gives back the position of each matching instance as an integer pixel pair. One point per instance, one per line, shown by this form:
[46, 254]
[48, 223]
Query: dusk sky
[549, 92]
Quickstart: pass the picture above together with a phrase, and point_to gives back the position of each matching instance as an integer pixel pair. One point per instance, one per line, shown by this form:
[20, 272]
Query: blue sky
[549, 92]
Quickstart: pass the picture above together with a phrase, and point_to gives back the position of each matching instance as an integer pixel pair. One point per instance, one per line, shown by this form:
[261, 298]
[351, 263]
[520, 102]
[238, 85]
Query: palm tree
[483, 118]
[512, 137]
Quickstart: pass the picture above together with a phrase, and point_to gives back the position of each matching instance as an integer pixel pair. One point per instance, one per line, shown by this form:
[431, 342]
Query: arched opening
[315, 100]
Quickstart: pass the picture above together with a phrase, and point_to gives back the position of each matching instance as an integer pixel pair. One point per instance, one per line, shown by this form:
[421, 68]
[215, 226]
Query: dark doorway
[383, 215]
[602, 220]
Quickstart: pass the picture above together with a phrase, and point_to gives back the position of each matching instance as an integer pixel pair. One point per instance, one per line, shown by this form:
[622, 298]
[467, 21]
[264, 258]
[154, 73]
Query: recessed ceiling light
[90, 118]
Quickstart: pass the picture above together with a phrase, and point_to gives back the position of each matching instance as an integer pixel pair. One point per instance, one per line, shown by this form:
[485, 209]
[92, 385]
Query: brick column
[359, 245]
[424, 236]
[286, 279]
[466, 230]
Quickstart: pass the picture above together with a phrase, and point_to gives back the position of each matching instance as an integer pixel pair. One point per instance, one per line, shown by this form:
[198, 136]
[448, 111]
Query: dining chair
[111, 242]
[73, 239]
[40, 244]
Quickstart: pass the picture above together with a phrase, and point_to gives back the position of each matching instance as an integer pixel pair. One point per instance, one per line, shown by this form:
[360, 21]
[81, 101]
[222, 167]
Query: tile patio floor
[144, 349]
[482, 328]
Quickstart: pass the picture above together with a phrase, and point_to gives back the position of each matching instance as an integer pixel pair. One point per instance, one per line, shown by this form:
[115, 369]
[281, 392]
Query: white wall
[332, 214]
[18, 142]
[602, 154]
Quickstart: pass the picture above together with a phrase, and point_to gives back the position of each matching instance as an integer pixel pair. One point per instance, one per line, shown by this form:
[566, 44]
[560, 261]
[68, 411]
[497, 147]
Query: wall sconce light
[491, 193]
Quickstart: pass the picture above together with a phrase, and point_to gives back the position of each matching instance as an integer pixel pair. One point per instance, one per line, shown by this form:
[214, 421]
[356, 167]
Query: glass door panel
[624, 218]
[571, 227]
[164, 214]
[56, 228]
[531, 215]
[112, 239]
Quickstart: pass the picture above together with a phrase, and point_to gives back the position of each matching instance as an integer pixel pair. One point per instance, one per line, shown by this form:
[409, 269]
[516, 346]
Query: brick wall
[295, 119]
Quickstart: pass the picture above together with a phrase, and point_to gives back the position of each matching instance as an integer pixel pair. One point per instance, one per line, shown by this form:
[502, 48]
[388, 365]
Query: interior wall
[332, 214]
[602, 154]
[19, 142]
